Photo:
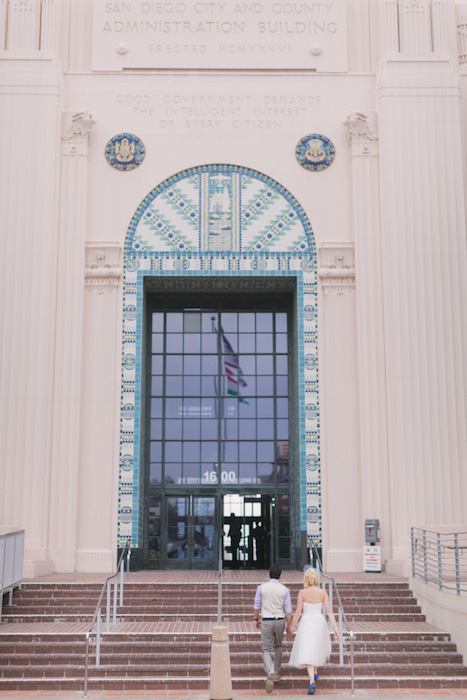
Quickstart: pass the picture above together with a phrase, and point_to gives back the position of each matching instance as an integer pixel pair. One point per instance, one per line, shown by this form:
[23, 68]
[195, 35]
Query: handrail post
[98, 639]
[352, 665]
[440, 564]
[219, 587]
[86, 656]
[341, 642]
[456, 555]
[425, 557]
[412, 537]
[107, 607]
[3, 555]
[122, 571]
[114, 620]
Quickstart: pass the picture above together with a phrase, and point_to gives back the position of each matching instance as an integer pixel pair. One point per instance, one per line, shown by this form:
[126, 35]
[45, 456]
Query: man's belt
[272, 618]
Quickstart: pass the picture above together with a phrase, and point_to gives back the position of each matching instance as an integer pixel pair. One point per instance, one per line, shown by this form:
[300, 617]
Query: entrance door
[249, 532]
[217, 422]
[190, 532]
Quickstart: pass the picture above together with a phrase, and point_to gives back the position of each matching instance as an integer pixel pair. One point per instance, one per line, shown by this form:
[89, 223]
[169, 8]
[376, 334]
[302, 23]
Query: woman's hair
[311, 578]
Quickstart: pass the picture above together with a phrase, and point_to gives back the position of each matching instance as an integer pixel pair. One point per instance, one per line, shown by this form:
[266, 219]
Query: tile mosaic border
[141, 265]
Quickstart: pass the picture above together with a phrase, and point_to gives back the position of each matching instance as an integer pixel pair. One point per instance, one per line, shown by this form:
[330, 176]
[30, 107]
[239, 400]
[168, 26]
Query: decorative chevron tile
[220, 228]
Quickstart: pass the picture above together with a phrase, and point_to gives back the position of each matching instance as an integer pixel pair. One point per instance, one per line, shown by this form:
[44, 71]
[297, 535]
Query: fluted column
[30, 113]
[339, 421]
[50, 25]
[424, 266]
[363, 133]
[69, 339]
[415, 26]
[23, 25]
[100, 416]
[389, 25]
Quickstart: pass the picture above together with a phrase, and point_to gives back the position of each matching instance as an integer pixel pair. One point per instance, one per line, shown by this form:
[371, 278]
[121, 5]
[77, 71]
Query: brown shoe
[276, 678]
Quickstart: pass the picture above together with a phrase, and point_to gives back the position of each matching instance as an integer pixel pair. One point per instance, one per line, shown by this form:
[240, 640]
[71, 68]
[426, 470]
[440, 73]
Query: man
[235, 534]
[272, 608]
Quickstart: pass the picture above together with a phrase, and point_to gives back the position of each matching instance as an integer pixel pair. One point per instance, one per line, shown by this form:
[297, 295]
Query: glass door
[191, 527]
[249, 531]
[217, 424]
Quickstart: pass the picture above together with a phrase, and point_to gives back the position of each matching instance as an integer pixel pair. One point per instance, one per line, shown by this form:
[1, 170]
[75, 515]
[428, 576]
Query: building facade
[233, 279]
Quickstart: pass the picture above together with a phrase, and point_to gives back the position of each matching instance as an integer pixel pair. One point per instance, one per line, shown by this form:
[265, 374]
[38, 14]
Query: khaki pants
[272, 632]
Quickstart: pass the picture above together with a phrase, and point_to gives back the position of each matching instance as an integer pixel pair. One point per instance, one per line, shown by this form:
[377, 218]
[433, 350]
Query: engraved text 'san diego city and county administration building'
[234, 279]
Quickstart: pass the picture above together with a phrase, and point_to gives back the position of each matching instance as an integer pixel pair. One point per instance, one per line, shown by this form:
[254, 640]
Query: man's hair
[275, 571]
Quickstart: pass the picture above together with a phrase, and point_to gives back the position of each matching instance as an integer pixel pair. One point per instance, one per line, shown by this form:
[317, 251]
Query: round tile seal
[315, 152]
[125, 152]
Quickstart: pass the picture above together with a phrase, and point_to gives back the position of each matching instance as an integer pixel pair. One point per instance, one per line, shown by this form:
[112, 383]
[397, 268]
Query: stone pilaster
[50, 25]
[424, 273]
[23, 25]
[30, 111]
[100, 416]
[415, 26]
[389, 25]
[363, 134]
[461, 22]
[69, 339]
[338, 393]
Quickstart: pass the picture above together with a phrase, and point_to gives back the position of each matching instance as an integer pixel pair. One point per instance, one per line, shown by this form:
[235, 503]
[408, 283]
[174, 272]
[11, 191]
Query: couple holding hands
[312, 644]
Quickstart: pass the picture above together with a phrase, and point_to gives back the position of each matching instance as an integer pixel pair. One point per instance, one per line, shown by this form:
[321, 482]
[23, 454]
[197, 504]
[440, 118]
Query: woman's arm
[297, 613]
[330, 614]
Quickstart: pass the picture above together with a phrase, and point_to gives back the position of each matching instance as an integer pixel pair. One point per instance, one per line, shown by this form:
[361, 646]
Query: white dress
[312, 643]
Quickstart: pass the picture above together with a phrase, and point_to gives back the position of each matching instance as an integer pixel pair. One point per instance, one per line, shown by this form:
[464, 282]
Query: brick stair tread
[260, 678]
[394, 645]
[403, 657]
[201, 615]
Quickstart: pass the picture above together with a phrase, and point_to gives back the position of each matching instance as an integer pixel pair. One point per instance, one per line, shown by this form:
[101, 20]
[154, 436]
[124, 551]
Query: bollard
[220, 686]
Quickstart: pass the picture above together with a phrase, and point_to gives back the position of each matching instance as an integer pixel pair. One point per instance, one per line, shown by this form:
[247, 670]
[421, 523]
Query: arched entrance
[220, 428]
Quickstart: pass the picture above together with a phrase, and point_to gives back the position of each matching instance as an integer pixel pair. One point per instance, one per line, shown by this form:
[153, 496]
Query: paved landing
[193, 628]
[228, 576]
[388, 694]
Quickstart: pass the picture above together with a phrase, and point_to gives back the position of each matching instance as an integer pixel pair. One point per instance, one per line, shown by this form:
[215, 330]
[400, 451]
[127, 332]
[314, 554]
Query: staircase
[162, 639]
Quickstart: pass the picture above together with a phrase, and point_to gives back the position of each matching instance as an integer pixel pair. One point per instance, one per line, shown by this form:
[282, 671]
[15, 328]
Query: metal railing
[342, 621]
[11, 562]
[219, 584]
[440, 558]
[96, 620]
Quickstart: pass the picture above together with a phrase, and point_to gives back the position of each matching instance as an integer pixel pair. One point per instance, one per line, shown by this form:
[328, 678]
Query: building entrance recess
[218, 459]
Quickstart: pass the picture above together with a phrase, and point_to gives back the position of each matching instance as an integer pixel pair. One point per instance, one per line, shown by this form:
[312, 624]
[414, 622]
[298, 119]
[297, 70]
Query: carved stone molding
[76, 128]
[337, 267]
[363, 133]
[461, 17]
[103, 270]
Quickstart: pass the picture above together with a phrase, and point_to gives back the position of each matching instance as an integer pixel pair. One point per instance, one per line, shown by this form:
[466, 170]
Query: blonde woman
[312, 644]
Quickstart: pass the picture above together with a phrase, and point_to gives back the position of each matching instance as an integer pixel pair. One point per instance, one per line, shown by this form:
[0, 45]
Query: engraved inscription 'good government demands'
[245, 35]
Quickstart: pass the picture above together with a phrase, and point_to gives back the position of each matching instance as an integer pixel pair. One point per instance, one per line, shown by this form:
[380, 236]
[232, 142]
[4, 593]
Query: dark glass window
[219, 403]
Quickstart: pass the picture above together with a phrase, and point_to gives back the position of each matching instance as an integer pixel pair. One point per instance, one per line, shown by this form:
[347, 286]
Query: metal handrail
[11, 562]
[440, 558]
[342, 620]
[97, 613]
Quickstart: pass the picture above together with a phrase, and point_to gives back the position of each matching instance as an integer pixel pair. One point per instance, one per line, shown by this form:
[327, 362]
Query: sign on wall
[226, 34]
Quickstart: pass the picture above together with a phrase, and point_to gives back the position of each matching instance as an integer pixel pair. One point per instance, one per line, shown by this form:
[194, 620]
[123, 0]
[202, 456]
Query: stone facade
[339, 131]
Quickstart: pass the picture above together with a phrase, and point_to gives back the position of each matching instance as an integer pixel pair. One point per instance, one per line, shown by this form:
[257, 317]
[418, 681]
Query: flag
[232, 369]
